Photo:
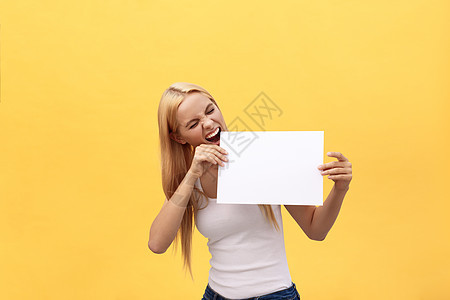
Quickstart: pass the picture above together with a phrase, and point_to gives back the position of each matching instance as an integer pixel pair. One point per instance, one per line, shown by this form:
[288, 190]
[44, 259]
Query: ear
[174, 136]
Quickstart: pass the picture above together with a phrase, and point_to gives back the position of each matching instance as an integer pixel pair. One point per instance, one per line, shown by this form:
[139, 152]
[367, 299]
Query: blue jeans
[286, 294]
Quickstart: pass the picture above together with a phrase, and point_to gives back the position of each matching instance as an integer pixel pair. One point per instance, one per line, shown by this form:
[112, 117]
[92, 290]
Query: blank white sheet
[271, 167]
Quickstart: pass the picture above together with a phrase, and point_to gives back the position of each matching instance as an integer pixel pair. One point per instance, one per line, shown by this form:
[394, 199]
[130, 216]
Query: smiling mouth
[214, 138]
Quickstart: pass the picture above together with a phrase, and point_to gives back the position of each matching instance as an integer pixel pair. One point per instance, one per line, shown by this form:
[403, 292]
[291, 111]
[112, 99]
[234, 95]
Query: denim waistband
[290, 293]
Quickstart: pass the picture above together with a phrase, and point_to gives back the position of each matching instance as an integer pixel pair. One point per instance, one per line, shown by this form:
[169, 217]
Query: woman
[248, 258]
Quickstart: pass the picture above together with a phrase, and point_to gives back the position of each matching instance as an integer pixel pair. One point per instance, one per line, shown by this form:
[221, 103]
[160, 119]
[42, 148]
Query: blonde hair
[176, 160]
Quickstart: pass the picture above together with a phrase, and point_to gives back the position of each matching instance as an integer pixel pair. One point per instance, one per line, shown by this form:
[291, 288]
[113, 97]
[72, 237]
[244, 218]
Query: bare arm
[165, 226]
[316, 222]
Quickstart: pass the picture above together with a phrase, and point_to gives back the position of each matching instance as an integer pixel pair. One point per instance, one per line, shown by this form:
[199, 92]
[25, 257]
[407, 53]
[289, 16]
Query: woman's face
[198, 117]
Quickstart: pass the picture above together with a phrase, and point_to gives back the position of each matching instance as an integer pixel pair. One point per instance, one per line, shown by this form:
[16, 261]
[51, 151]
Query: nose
[208, 123]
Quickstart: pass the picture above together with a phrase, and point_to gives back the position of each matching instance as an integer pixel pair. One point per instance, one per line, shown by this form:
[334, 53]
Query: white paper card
[271, 167]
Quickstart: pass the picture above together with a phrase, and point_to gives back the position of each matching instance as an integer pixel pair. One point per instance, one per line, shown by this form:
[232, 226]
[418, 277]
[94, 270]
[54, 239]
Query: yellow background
[79, 178]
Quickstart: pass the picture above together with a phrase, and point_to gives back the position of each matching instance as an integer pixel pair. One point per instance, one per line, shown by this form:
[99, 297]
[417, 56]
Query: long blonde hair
[176, 160]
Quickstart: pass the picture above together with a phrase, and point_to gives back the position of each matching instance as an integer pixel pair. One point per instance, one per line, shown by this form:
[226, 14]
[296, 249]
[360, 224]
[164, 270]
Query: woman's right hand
[205, 156]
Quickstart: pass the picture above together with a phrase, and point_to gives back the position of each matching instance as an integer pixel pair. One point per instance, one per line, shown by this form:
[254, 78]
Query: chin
[212, 143]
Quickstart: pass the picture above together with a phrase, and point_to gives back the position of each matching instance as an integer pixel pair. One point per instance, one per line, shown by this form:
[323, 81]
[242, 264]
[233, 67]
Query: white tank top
[248, 257]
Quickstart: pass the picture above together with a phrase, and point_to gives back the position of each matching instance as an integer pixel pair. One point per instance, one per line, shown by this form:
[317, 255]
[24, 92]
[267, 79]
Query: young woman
[248, 257]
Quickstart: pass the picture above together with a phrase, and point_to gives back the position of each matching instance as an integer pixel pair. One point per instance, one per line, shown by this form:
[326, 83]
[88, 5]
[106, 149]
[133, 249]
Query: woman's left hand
[340, 171]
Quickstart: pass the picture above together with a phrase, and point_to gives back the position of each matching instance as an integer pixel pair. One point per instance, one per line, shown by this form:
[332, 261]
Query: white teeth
[213, 134]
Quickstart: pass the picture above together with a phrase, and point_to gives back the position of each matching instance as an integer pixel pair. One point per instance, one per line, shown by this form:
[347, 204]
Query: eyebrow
[187, 124]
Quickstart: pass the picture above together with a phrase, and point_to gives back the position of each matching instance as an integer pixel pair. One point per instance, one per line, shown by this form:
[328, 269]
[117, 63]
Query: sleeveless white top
[248, 257]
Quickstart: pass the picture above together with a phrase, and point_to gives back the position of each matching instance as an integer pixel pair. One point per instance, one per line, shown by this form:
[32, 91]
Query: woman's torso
[248, 257]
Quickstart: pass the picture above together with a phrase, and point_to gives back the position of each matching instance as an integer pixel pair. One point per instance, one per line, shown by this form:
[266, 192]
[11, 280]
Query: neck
[211, 174]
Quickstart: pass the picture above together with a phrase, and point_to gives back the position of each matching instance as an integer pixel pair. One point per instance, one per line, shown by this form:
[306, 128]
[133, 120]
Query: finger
[336, 171]
[219, 161]
[340, 177]
[218, 148]
[222, 150]
[338, 155]
[216, 159]
[333, 164]
[216, 153]
[209, 158]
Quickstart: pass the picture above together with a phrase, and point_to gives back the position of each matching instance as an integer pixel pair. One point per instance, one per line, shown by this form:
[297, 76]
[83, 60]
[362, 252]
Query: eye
[195, 124]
